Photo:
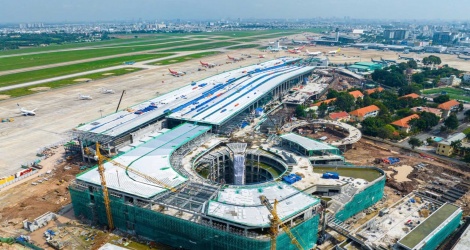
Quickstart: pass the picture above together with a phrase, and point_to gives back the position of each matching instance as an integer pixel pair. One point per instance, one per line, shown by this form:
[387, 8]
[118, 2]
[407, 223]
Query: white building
[451, 81]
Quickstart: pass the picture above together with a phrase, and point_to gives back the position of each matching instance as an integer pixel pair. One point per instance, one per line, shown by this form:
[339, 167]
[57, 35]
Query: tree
[427, 120]
[322, 109]
[451, 122]
[412, 64]
[418, 78]
[386, 131]
[300, 111]
[332, 94]
[460, 107]
[405, 90]
[466, 158]
[467, 114]
[345, 101]
[415, 142]
[441, 99]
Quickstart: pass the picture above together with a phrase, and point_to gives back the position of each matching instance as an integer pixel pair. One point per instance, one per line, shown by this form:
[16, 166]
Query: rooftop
[404, 122]
[448, 105]
[356, 94]
[452, 138]
[363, 111]
[307, 143]
[435, 111]
[338, 115]
[244, 206]
[412, 95]
[371, 91]
[424, 229]
[151, 158]
[325, 102]
[232, 92]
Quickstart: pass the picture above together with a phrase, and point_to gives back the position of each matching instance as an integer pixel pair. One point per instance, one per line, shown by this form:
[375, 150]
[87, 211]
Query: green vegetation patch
[11, 79]
[202, 46]
[67, 82]
[458, 94]
[244, 46]
[17, 62]
[184, 58]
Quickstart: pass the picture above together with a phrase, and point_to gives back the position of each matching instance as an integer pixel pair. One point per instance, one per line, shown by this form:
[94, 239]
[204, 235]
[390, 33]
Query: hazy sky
[101, 10]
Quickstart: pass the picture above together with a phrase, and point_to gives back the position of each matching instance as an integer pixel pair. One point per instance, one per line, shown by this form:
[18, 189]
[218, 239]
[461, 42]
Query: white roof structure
[307, 143]
[152, 158]
[181, 101]
[243, 205]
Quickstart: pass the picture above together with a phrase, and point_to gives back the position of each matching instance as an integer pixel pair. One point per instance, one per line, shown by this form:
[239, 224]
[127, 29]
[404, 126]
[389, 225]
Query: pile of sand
[129, 69]
[108, 74]
[173, 60]
[82, 80]
[4, 97]
[403, 172]
[40, 89]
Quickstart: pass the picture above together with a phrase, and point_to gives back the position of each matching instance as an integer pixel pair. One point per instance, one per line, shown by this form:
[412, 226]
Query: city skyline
[106, 10]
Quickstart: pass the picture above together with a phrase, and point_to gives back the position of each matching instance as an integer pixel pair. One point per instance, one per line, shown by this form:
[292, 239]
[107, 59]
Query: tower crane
[275, 222]
[101, 159]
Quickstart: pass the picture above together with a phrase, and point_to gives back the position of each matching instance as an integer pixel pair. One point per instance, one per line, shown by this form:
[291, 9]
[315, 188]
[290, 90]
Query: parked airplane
[261, 56]
[388, 61]
[107, 91]
[26, 112]
[464, 57]
[334, 51]
[235, 59]
[176, 73]
[84, 97]
[408, 58]
[293, 51]
[299, 48]
[316, 53]
[208, 65]
[300, 42]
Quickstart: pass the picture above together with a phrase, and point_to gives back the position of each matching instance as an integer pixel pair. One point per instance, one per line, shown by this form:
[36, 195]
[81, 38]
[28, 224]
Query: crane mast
[275, 221]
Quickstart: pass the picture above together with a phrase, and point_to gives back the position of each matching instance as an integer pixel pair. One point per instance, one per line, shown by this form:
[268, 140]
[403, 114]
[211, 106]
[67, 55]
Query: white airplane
[176, 73]
[107, 91]
[84, 97]
[317, 53]
[26, 112]
[208, 65]
[334, 51]
[235, 59]
[261, 56]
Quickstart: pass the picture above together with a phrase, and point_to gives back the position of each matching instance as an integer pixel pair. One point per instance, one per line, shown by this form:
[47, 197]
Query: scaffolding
[138, 217]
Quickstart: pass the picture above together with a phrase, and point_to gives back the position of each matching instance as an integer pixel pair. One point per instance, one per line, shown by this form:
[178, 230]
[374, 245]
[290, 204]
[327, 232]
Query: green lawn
[206, 46]
[244, 46]
[34, 75]
[453, 93]
[67, 82]
[17, 62]
[184, 58]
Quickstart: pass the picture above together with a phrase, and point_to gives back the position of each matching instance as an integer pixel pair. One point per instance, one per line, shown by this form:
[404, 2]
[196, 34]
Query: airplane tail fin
[338, 50]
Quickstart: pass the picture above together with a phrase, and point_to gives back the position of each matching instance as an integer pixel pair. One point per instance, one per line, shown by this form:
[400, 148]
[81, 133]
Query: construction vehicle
[276, 222]
[101, 159]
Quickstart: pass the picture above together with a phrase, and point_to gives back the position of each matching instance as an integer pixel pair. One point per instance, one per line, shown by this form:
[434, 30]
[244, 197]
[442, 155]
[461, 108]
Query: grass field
[67, 82]
[34, 75]
[183, 58]
[25, 61]
[244, 46]
[453, 93]
[202, 46]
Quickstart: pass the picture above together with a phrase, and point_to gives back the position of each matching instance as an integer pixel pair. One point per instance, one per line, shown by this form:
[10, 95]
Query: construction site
[220, 163]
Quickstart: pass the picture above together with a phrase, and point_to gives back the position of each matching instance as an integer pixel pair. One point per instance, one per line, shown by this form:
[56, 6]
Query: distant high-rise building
[393, 34]
[444, 37]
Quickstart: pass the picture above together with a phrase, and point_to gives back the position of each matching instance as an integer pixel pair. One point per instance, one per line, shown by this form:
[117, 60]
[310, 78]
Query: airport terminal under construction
[176, 170]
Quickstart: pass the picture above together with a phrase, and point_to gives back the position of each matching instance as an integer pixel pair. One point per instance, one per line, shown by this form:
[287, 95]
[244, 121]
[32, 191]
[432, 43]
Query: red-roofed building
[339, 116]
[356, 94]
[325, 102]
[363, 113]
[437, 112]
[403, 124]
[371, 91]
[448, 107]
[412, 96]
